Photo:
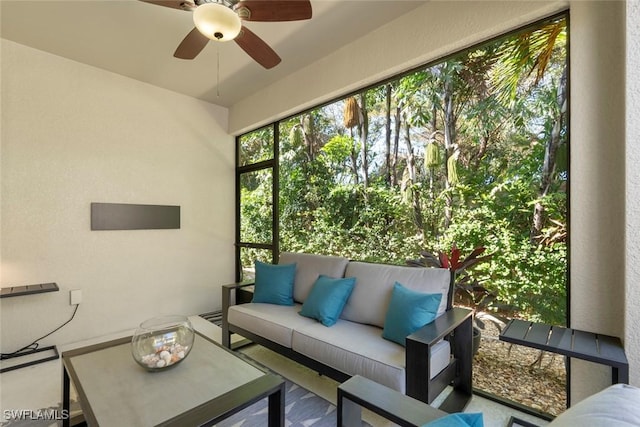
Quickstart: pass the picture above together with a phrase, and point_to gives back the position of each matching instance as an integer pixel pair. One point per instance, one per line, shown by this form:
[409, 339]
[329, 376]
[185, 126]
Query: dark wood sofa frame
[455, 325]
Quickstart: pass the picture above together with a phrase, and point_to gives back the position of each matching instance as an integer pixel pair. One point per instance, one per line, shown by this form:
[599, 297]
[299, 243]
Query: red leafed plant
[450, 261]
[468, 290]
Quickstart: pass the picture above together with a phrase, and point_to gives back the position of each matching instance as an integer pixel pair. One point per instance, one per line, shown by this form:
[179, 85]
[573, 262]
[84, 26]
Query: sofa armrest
[235, 289]
[359, 392]
[456, 326]
[441, 327]
[235, 286]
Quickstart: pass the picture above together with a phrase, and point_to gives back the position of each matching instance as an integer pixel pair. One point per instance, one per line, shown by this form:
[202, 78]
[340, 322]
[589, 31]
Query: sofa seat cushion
[374, 283]
[273, 322]
[358, 349]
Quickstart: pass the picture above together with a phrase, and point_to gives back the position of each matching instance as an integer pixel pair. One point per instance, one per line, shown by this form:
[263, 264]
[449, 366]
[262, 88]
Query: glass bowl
[162, 342]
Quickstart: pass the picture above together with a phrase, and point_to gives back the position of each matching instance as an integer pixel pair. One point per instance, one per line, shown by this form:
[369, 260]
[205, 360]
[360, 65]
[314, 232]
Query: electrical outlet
[75, 297]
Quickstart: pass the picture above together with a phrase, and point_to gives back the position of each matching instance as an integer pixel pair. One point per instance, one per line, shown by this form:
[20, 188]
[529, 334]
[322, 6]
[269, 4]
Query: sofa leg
[226, 335]
[417, 370]
[226, 302]
[456, 326]
[462, 384]
[463, 352]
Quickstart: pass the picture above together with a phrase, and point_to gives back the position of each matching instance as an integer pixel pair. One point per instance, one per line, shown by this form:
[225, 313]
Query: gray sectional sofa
[435, 356]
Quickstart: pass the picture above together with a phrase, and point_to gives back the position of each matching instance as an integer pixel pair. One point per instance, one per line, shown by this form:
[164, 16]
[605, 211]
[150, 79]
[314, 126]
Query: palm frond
[519, 57]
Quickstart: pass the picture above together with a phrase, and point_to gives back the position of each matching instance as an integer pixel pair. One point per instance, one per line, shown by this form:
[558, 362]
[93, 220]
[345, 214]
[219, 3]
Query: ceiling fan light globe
[217, 22]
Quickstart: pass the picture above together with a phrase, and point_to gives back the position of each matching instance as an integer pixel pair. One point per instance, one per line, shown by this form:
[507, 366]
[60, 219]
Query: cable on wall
[34, 345]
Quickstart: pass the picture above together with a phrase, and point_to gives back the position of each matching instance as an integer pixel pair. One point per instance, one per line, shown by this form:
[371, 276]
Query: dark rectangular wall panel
[120, 216]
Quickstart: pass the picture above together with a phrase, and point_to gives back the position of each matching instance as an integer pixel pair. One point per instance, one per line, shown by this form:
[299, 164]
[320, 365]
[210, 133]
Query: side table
[47, 353]
[597, 348]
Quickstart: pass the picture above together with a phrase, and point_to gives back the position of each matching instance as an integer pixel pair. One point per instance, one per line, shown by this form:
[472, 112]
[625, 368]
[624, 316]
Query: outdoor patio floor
[39, 386]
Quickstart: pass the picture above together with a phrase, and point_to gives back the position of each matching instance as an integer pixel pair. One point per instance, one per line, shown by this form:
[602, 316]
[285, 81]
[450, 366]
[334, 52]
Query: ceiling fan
[221, 20]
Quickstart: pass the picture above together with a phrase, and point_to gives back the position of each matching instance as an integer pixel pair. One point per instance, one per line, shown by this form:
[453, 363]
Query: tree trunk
[482, 149]
[396, 146]
[432, 139]
[309, 135]
[433, 223]
[549, 163]
[354, 160]
[364, 136]
[411, 167]
[449, 145]
[387, 139]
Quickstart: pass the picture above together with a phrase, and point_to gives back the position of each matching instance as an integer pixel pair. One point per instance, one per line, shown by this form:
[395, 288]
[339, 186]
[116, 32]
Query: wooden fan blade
[191, 45]
[256, 48]
[274, 10]
[174, 4]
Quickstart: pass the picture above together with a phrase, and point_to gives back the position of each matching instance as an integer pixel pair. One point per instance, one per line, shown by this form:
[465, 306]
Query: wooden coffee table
[211, 384]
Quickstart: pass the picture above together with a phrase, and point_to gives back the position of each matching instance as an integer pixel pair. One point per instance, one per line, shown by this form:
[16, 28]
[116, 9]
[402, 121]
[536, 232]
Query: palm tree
[518, 59]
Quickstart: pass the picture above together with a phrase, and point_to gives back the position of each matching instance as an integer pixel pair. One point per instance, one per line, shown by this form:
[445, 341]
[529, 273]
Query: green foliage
[256, 146]
[432, 156]
[477, 188]
[531, 278]
[452, 170]
[256, 208]
[371, 225]
[519, 56]
[338, 149]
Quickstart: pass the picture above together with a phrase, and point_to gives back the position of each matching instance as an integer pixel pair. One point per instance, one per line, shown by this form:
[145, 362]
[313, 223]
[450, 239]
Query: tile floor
[39, 386]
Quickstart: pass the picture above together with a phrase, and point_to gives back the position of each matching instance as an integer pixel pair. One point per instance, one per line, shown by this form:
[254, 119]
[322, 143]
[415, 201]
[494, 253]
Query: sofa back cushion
[374, 284]
[309, 268]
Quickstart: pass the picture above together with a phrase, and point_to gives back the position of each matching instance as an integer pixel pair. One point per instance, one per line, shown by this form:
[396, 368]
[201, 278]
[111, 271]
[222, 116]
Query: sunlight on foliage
[472, 151]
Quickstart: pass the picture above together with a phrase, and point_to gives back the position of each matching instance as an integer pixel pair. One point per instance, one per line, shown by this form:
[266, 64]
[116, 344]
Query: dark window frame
[272, 164]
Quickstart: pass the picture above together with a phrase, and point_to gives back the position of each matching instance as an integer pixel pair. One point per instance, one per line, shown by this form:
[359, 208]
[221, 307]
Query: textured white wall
[597, 133]
[431, 31]
[72, 135]
[597, 179]
[632, 320]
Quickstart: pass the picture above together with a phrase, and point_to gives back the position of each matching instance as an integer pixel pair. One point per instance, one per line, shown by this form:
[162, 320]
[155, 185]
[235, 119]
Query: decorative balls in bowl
[162, 342]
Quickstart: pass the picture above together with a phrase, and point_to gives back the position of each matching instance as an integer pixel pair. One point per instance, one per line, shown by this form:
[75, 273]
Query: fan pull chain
[218, 70]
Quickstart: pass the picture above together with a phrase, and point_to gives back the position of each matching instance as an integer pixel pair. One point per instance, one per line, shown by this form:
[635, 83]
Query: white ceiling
[137, 40]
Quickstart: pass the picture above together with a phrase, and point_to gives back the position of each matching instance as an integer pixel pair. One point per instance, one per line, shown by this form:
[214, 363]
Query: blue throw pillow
[274, 283]
[327, 298]
[458, 420]
[408, 311]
